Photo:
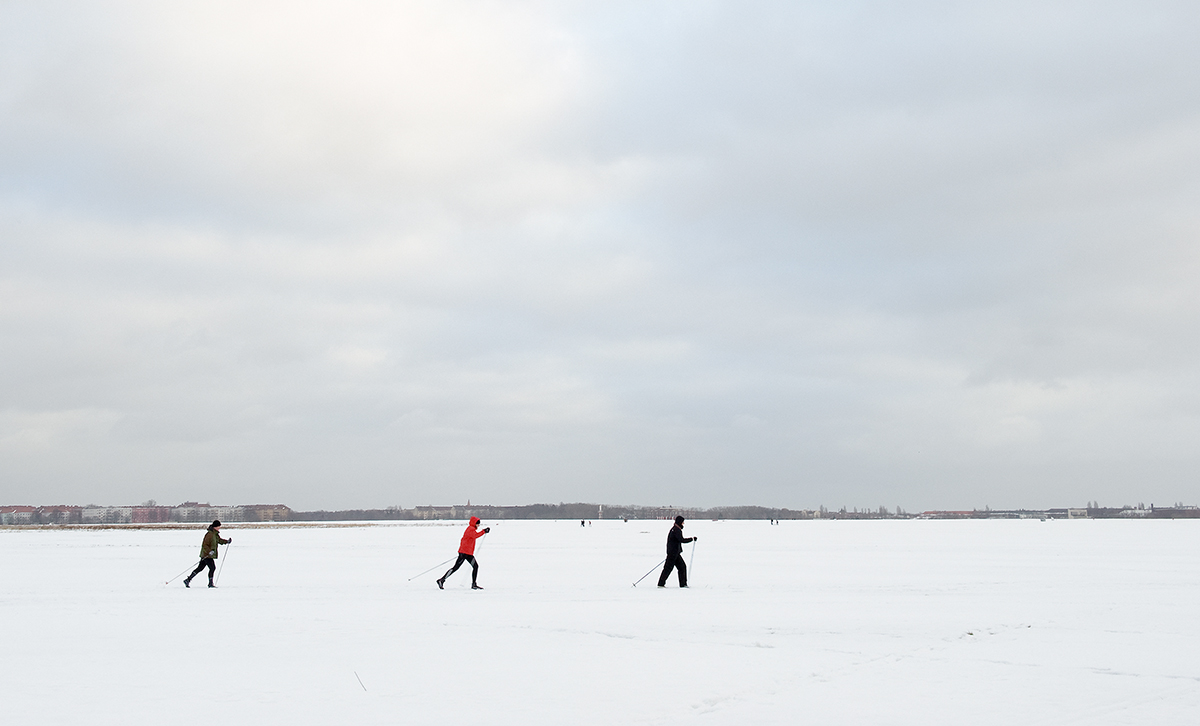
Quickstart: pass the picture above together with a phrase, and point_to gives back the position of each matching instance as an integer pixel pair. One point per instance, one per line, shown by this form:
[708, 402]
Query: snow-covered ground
[822, 622]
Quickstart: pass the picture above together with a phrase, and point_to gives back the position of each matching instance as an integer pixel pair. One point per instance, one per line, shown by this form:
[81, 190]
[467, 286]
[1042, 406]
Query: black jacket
[675, 540]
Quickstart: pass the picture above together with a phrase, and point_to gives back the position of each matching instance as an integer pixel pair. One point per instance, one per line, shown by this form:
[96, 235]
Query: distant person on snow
[675, 542]
[466, 553]
[208, 553]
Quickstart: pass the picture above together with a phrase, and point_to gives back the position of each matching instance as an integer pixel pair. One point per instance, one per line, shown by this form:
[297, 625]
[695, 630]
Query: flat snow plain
[822, 622]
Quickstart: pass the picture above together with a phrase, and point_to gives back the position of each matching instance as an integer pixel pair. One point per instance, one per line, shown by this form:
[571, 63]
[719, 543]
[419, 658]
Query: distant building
[16, 515]
[228, 514]
[151, 515]
[193, 512]
[267, 512]
[107, 515]
[432, 512]
[60, 514]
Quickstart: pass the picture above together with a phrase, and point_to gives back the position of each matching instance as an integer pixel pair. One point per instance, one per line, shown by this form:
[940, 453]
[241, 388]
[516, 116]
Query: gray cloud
[362, 254]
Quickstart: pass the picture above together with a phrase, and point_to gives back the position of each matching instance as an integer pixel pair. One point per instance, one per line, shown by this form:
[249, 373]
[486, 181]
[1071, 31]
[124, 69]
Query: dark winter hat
[679, 520]
[216, 523]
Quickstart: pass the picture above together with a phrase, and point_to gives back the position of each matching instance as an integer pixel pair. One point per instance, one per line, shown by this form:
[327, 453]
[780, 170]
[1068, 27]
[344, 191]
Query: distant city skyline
[358, 255]
[191, 513]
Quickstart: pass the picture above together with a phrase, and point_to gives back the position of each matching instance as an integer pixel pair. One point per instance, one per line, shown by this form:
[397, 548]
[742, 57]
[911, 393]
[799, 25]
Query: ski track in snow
[888, 622]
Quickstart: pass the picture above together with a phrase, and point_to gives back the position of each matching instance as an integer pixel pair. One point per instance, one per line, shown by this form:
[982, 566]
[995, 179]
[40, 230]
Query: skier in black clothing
[675, 542]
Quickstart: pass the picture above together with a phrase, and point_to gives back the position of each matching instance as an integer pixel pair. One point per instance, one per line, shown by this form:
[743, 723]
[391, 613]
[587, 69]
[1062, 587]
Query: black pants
[206, 562]
[461, 559]
[672, 562]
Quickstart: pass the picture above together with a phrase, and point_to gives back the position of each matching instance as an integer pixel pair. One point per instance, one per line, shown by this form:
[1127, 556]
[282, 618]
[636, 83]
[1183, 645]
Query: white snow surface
[814, 622]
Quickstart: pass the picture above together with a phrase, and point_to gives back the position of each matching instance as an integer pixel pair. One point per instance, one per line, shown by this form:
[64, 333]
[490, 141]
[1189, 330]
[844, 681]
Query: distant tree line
[580, 510]
[592, 511]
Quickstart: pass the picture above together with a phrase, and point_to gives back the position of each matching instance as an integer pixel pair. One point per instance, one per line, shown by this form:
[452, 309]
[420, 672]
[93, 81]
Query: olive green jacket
[208, 548]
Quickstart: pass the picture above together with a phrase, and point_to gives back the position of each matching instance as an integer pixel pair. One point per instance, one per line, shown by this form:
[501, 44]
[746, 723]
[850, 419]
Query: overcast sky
[356, 254]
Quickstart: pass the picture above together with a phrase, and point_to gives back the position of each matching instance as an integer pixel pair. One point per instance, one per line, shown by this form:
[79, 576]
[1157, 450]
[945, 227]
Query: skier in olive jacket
[675, 542]
[466, 553]
[208, 553]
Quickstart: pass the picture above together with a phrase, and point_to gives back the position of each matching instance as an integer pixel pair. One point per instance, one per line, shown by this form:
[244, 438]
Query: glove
[229, 541]
[695, 539]
[487, 529]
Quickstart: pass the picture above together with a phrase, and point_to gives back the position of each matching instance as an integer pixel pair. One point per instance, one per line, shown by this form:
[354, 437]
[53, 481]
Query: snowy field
[822, 622]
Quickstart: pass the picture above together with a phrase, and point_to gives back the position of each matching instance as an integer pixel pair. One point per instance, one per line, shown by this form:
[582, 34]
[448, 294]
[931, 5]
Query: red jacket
[467, 546]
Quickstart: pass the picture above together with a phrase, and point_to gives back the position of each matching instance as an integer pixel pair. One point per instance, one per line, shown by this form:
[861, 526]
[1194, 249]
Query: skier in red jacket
[466, 553]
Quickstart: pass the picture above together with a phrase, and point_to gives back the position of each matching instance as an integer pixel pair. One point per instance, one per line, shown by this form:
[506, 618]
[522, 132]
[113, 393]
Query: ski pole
[173, 579]
[431, 569]
[222, 567]
[652, 569]
[692, 559]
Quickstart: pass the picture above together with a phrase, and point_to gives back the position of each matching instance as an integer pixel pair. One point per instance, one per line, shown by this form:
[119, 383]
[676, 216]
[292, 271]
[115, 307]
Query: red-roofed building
[17, 515]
